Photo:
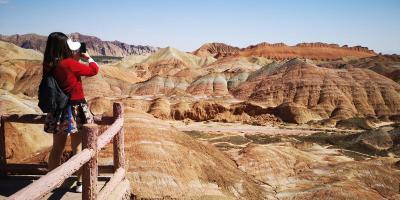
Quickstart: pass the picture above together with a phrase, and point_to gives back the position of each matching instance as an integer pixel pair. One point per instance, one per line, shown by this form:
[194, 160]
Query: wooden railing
[91, 145]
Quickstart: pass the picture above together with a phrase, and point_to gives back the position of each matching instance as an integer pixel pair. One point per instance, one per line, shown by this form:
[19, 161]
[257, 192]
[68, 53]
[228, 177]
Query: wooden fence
[92, 143]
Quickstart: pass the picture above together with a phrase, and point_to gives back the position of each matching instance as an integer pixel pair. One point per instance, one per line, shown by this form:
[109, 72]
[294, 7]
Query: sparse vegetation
[235, 139]
[106, 59]
[263, 139]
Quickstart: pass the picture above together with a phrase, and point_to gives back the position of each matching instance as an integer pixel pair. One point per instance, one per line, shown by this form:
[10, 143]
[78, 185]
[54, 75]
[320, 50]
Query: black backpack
[51, 97]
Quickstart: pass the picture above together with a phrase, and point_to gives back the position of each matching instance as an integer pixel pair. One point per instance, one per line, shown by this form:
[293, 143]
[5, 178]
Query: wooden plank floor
[13, 183]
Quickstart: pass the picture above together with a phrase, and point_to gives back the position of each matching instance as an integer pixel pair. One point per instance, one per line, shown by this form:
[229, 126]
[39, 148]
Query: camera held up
[82, 49]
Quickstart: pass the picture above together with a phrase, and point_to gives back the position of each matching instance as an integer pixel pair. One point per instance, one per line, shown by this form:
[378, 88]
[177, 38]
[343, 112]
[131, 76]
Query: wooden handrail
[89, 141]
[40, 119]
[86, 158]
[119, 141]
[109, 134]
[51, 180]
[118, 176]
[41, 169]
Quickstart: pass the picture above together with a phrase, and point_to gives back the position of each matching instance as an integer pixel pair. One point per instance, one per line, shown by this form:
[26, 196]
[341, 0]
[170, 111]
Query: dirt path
[240, 129]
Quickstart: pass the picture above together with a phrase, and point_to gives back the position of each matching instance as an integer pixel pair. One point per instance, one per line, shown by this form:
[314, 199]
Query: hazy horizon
[188, 25]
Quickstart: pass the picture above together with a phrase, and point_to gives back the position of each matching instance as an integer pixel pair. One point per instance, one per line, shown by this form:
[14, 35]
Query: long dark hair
[56, 50]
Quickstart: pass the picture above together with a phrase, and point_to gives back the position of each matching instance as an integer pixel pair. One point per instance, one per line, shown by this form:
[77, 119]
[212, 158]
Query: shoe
[78, 187]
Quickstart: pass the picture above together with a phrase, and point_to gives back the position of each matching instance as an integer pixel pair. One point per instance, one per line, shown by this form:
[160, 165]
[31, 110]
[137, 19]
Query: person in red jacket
[61, 59]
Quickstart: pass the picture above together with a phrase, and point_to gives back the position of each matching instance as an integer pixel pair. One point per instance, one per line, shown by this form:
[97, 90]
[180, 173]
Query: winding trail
[240, 129]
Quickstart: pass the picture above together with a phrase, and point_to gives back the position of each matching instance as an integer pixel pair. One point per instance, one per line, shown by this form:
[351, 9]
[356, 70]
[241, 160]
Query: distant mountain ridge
[281, 51]
[95, 45]
[216, 50]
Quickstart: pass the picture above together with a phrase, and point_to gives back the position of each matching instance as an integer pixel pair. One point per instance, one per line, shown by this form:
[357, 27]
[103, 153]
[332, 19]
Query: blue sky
[188, 24]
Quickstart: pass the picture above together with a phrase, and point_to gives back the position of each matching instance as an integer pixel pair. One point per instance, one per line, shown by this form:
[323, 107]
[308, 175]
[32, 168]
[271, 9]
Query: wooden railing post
[89, 140]
[87, 159]
[118, 141]
[3, 158]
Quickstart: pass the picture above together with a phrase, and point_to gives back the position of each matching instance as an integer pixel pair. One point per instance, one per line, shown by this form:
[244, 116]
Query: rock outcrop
[20, 69]
[386, 65]
[213, 84]
[314, 51]
[169, 61]
[216, 50]
[327, 93]
[194, 84]
[281, 51]
[180, 167]
[169, 85]
[237, 64]
[294, 113]
[160, 108]
[27, 41]
[246, 113]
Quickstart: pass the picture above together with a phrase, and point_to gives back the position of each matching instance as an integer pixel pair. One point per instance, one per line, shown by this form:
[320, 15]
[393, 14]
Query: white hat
[73, 45]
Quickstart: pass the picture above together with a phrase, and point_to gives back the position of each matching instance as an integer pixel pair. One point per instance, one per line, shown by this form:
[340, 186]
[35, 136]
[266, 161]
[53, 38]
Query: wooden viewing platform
[92, 143]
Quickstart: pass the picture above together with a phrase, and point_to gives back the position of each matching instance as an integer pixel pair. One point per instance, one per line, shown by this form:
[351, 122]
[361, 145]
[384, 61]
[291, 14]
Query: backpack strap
[50, 73]
[53, 67]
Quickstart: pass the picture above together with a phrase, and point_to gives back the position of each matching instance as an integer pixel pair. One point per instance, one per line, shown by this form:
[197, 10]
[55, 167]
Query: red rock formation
[160, 108]
[170, 61]
[20, 69]
[181, 167]
[387, 65]
[236, 64]
[330, 93]
[281, 51]
[293, 113]
[205, 110]
[180, 110]
[213, 84]
[248, 108]
[160, 85]
[216, 50]
[314, 51]
[22, 140]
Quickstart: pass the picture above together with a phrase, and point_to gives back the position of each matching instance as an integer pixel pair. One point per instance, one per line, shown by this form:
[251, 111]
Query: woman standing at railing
[61, 60]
